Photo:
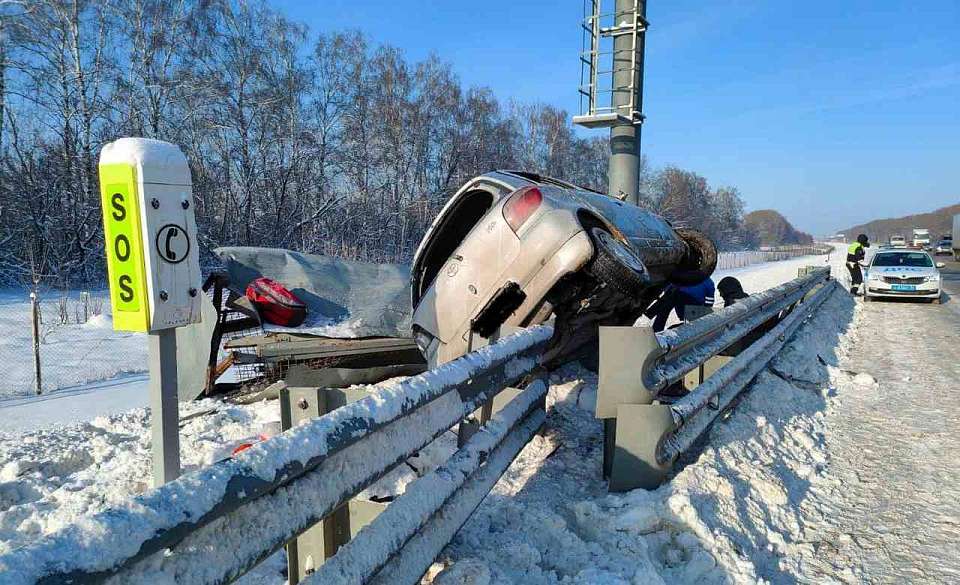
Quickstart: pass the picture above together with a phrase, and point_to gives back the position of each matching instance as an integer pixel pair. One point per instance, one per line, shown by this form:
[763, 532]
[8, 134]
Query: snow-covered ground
[887, 509]
[74, 405]
[71, 355]
[723, 517]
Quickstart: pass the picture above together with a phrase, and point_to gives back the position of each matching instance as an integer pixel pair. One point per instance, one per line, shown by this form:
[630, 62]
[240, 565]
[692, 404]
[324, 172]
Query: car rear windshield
[916, 259]
[454, 226]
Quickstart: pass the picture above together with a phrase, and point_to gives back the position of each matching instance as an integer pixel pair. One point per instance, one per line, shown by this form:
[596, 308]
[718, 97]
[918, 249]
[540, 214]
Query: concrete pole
[164, 407]
[623, 176]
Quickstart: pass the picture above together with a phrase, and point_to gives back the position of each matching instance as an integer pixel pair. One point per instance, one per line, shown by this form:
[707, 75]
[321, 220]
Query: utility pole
[612, 56]
[623, 174]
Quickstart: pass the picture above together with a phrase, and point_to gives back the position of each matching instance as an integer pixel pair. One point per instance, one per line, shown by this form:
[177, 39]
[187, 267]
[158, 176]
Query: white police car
[903, 273]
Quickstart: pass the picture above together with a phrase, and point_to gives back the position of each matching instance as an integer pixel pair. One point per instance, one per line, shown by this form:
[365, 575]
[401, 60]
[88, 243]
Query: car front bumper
[927, 290]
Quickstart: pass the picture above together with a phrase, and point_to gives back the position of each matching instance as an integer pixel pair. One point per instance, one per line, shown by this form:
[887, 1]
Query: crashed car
[513, 249]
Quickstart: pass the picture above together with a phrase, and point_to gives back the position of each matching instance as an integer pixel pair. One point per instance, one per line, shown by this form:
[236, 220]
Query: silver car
[903, 274]
[512, 249]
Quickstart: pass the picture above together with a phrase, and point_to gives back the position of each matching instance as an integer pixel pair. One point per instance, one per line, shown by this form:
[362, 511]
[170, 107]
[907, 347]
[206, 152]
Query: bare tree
[328, 144]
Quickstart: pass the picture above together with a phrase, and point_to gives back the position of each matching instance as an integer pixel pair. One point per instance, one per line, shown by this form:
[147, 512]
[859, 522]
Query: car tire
[616, 264]
[700, 262]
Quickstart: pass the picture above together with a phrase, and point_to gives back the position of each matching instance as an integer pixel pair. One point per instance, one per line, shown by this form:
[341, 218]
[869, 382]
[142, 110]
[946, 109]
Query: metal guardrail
[215, 524]
[691, 414]
[687, 347]
[647, 431]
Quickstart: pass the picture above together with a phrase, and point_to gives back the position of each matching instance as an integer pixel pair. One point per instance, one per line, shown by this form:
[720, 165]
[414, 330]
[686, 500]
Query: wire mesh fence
[732, 260]
[52, 339]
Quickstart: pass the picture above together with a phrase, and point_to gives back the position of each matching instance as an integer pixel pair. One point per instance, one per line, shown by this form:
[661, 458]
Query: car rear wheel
[616, 264]
[701, 259]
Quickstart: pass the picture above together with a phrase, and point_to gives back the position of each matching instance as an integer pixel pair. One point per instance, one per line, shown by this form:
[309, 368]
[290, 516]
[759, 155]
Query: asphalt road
[950, 276]
[889, 505]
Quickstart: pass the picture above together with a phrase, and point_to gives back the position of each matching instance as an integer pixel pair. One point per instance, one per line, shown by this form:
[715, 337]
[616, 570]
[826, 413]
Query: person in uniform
[855, 254]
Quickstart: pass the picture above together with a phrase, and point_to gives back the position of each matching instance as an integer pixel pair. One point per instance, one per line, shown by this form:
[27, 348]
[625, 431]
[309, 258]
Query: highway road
[888, 509]
[951, 283]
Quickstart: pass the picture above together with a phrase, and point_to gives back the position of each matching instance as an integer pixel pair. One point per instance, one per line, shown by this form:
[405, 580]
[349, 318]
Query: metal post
[35, 310]
[624, 171]
[164, 412]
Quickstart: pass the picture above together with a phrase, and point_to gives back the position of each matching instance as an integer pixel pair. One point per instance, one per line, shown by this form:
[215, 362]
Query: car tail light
[521, 205]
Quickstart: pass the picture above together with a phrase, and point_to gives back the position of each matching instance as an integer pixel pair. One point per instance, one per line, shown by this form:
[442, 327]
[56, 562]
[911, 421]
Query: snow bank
[55, 477]
[106, 539]
[732, 513]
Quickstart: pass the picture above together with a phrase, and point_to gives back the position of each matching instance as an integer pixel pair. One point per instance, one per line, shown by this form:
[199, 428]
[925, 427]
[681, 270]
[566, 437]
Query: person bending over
[676, 298]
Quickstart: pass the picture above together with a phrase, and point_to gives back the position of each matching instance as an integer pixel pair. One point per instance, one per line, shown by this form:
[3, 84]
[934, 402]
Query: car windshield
[917, 259]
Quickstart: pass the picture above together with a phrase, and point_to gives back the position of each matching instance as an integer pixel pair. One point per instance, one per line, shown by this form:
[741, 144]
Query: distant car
[944, 247]
[512, 249]
[898, 242]
[903, 274]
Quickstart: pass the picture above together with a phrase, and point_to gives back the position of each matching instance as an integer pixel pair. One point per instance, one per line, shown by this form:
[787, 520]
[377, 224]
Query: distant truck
[898, 242]
[921, 238]
[956, 237]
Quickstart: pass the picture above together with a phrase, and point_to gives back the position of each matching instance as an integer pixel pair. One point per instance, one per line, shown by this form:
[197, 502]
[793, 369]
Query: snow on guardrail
[323, 455]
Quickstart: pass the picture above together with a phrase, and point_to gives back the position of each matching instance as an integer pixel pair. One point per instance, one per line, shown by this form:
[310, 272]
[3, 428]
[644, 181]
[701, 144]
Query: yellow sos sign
[122, 230]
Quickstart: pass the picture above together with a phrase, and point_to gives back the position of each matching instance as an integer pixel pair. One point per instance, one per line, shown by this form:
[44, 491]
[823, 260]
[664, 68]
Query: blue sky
[831, 112]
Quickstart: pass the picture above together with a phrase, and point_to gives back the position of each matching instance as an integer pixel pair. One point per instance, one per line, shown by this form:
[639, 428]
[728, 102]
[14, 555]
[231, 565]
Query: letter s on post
[126, 291]
[120, 212]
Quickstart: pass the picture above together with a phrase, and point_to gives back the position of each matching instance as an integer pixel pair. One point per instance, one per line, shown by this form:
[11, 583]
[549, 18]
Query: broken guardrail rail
[646, 431]
[215, 524]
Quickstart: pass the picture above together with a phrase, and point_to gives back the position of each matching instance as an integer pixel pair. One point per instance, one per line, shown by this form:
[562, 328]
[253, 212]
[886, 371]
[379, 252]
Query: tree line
[323, 143]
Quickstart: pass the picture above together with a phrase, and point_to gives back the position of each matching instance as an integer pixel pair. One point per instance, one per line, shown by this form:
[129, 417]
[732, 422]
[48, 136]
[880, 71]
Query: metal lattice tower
[611, 65]
[611, 85]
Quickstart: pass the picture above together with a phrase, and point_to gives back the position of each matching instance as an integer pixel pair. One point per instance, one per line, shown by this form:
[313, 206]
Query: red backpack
[275, 303]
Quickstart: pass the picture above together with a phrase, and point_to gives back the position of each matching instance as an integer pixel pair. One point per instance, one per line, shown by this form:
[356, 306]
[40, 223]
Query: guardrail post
[625, 354]
[317, 544]
[639, 430]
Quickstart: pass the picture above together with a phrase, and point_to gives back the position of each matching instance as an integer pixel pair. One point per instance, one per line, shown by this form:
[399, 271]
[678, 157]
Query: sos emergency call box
[150, 234]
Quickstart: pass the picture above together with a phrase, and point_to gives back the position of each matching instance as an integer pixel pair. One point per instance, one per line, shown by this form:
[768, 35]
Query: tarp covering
[344, 298]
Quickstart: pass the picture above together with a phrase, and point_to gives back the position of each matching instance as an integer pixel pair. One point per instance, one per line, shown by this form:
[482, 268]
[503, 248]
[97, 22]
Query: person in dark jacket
[677, 297]
[855, 254]
[730, 290]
